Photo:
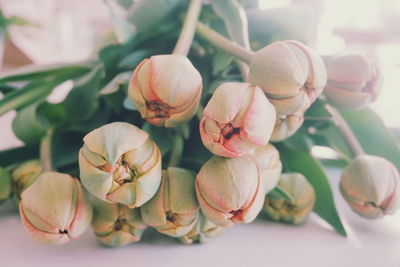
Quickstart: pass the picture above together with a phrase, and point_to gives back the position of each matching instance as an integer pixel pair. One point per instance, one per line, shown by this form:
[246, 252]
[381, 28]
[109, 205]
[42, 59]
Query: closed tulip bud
[174, 210]
[371, 186]
[166, 89]
[290, 73]
[202, 232]
[297, 210]
[116, 225]
[237, 119]
[286, 126]
[24, 175]
[230, 190]
[55, 209]
[270, 165]
[5, 184]
[354, 80]
[120, 164]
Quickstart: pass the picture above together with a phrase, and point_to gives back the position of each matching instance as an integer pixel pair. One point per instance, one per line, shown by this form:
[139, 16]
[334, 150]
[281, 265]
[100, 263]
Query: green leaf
[32, 72]
[32, 92]
[65, 148]
[235, 19]
[15, 155]
[148, 15]
[29, 126]
[221, 61]
[298, 160]
[128, 104]
[161, 136]
[82, 101]
[373, 135]
[132, 60]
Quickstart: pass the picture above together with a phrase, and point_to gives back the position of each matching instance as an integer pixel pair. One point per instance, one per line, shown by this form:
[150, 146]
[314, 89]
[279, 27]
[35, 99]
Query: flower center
[228, 131]
[123, 173]
[158, 109]
[236, 215]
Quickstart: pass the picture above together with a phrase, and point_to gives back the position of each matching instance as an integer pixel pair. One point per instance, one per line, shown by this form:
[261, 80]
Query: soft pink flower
[237, 119]
[166, 89]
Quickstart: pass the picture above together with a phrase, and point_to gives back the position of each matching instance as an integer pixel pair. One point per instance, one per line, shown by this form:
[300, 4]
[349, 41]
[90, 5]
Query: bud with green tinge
[174, 210]
[291, 74]
[24, 175]
[5, 184]
[230, 190]
[55, 208]
[371, 186]
[237, 119]
[119, 163]
[270, 165]
[297, 210]
[354, 80]
[166, 89]
[202, 232]
[116, 225]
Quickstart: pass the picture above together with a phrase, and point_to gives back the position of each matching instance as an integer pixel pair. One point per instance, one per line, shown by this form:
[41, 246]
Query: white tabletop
[262, 243]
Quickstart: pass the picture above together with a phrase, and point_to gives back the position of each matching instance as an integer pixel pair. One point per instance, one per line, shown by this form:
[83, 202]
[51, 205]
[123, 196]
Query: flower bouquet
[200, 117]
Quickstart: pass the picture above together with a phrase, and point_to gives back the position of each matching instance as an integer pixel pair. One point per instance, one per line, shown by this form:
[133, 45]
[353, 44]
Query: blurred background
[52, 31]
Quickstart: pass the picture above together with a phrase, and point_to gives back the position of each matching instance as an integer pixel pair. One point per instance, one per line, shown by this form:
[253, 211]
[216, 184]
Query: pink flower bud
[55, 209]
[354, 80]
[237, 119]
[230, 190]
[371, 186]
[290, 73]
[166, 89]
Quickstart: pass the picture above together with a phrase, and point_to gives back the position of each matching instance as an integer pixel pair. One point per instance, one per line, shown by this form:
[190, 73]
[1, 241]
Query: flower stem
[185, 39]
[177, 151]
[45, 151]
[346, 131]
[224, 43]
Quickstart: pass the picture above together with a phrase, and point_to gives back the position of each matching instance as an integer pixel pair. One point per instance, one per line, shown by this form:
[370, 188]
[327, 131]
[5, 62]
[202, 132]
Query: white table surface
[262, 243]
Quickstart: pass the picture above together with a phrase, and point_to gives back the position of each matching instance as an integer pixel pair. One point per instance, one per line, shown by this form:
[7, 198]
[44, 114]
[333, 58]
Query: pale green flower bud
[230, 190]
[166, 89]
[55, 209]
[5, 184]
[202, 232]
[116, 225]
[371, 186]
[24, 175]
[354, 80]
[291, 74]
[119, 163]
[174, 210]
[270, 165]
[297, 210]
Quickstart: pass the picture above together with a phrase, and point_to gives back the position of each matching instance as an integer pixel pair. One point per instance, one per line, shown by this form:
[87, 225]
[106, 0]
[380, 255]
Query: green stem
[185, 39]
[177, 151]
[224, 43]
[345, 130]
[25, 96]
[45, 151]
